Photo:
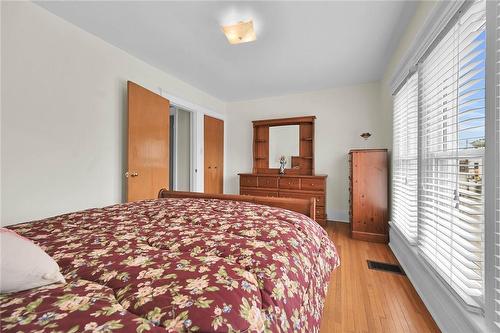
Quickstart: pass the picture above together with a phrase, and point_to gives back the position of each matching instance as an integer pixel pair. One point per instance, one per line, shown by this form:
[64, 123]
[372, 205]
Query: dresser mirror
[283, 141]
[289, 137]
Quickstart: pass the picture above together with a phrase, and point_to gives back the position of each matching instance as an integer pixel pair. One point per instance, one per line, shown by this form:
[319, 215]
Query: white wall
[386, 100]
[1, 103]
[342, 115]
[63, 119]
[63, 129]
[423, 10]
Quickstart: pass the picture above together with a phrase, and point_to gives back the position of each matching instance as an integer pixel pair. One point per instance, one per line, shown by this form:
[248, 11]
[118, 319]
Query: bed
[180, 263]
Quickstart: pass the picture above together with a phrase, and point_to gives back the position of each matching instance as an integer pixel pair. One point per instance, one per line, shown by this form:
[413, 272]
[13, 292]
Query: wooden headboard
[303, 206]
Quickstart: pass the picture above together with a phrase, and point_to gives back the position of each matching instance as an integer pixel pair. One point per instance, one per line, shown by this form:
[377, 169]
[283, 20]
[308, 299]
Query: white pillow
[24, 265]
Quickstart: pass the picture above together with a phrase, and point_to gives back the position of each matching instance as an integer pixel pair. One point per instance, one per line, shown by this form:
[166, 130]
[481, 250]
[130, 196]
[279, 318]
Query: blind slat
[404, 184]
[497, 163]
[451, 90]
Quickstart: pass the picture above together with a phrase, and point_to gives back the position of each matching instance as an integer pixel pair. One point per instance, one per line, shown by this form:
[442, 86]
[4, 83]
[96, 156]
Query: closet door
[214, 155]
[148, 143]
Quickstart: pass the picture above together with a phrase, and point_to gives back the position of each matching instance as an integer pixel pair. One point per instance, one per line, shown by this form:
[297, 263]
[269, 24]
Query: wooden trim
[283, 176]
[368, 150]
[284, 190]
[303, 206]
[284, 121]
[312, 207]
[289, 172]
[369, 237]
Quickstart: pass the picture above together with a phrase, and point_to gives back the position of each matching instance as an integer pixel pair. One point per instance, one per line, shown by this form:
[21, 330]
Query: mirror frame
[305, 160]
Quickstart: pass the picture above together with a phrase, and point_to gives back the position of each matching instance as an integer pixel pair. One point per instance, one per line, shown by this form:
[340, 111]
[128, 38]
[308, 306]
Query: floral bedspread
[177, 265]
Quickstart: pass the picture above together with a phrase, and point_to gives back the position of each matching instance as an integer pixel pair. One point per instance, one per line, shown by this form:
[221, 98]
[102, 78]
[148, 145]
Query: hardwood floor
[363, 300]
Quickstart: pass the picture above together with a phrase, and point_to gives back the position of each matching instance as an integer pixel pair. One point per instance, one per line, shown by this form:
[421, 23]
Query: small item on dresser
[282, 164]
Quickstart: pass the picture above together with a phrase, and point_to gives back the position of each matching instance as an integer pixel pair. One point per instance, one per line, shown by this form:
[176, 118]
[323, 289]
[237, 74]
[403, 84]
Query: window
[497, 166]
[452, 143]
[404, 174]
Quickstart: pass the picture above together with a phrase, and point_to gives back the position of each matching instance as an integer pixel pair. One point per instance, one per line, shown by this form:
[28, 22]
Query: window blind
[452, 141]
[497, 162]
[405, 149]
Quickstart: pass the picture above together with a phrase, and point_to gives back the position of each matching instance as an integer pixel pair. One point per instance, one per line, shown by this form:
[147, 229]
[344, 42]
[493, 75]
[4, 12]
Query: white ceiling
[301, 46]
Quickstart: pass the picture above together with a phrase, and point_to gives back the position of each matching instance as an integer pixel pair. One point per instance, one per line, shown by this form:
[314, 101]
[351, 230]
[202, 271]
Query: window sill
[450, 315]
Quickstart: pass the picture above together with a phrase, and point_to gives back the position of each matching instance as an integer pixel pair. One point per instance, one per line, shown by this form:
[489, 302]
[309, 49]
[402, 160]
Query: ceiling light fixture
[242, 32]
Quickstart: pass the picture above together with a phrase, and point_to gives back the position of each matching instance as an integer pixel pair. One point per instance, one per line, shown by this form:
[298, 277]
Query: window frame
[449, 313]
[432, 158]
[492, 167]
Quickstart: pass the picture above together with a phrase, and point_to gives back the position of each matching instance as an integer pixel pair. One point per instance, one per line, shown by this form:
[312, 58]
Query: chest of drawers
[368, 191]
[287, 186]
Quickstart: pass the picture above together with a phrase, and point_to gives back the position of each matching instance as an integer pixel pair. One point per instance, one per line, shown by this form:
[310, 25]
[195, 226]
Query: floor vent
[382, 266]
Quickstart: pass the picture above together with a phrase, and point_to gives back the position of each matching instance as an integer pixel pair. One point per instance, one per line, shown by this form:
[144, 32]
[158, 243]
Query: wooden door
[148, 143]
[214, 155]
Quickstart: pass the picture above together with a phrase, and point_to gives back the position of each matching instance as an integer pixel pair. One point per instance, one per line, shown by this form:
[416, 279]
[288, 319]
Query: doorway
[180, 149]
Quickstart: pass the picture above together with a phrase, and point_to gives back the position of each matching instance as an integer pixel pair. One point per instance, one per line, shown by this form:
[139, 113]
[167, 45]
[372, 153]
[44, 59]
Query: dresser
[288, 140]
[368, 192]
[287, 186]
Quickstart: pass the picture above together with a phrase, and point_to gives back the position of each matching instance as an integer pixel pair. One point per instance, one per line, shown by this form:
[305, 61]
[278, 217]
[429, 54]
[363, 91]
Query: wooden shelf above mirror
[302, 164]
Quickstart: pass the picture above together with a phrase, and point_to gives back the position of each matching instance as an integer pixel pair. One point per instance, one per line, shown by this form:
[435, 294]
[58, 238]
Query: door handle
[131, 174]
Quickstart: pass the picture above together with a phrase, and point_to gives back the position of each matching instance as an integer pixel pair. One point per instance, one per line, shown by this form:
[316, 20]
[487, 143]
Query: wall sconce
[365, 135]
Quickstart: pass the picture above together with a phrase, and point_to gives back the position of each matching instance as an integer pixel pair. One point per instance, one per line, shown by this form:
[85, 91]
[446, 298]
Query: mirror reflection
[283, 141]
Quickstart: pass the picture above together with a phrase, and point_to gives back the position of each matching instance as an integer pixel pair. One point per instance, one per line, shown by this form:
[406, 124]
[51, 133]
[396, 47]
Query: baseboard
[334, 221]
[369, 237]
[338, 215]
[448, 312]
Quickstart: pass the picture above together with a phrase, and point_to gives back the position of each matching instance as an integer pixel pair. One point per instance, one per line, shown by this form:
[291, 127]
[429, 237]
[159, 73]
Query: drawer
[248, 181]
[258, 193]
[313, 184]
[320, 199]
[320, 213]
[290, 183]
[268, 182]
